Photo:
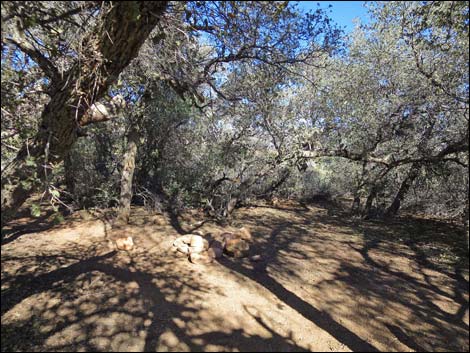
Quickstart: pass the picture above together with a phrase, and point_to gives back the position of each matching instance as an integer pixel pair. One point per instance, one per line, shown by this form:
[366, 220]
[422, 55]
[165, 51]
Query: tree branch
[389, 161]
[44, 63]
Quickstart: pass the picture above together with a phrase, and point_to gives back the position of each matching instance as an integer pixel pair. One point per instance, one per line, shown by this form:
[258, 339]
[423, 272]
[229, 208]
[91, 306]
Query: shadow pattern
[369, 286]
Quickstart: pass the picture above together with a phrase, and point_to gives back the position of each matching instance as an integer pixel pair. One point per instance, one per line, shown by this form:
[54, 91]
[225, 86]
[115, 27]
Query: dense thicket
[228, 102]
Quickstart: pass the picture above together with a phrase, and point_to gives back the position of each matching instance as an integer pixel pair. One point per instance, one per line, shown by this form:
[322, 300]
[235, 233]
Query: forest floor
[327, 281]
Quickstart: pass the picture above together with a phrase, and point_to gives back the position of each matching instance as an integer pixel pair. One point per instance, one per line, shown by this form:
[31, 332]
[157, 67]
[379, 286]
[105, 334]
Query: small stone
[243, 233]
[85, 215]
[132, 285]
[237, 247]
[114, 300]
[275, 202]
[201, 258]
[156, 219]
[256, 258]
[226, 236]
[124, 243]
[160, 221]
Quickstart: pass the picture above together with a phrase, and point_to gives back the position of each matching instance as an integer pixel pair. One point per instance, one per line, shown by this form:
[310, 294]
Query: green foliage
[57, 218]
[35, 210]
[227, 97]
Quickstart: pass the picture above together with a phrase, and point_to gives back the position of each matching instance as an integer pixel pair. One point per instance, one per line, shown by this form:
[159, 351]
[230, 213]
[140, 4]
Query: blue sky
[342, 12]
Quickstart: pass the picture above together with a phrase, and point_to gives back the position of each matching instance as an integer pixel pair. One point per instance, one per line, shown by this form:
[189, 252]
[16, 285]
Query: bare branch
[44, 63]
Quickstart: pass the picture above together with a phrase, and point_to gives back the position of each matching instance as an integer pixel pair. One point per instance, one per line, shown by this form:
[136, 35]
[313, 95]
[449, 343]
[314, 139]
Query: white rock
[124, 243]
[199, 242]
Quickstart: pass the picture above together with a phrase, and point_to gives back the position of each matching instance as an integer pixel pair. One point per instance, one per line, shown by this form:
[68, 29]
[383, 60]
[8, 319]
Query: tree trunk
[356, 204]
[231, 206]
[107, 50]
[275, 185]
[466, 225]
[20, 178]
[69, 175]
[127, 175]
[367, 212]
[403, 190]
[465, 218]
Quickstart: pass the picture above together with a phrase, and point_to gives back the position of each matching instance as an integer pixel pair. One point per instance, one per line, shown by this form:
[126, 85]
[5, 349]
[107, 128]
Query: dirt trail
[327, 282]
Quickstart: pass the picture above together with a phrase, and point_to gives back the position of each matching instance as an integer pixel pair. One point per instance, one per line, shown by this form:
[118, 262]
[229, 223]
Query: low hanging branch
[389, 161]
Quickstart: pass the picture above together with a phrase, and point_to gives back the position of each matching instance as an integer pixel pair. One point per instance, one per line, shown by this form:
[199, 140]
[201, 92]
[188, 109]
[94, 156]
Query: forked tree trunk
[107, 51]
[403, 190]
[127, 176]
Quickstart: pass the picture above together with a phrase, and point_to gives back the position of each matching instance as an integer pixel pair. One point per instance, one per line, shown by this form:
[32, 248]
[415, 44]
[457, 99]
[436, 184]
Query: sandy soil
[327, 283]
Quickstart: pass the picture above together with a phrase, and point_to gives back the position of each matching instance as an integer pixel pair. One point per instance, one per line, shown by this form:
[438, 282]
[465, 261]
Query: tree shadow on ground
[17, 228]
[422, 322]
[115, 301]
[320, 318]
[360, 294]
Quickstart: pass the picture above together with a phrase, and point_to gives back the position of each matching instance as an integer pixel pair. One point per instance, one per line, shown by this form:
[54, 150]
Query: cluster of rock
[204, 249]
[200, 248]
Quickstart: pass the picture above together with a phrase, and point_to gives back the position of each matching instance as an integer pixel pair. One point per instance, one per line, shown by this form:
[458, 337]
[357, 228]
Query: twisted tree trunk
[107, 50]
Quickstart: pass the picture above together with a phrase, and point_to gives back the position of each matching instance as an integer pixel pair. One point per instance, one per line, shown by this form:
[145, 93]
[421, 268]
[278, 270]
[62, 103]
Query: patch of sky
[345, 13]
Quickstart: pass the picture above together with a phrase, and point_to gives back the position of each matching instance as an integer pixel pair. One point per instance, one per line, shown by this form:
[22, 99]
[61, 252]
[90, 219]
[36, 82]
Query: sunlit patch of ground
[327, 282]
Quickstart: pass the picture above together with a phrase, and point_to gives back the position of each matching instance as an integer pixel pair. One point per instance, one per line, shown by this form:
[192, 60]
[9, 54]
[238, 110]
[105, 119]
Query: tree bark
[276, 184]
[356, 204]
[367, 212]
[466, 225]
[69, 174]
[231, 206]
[127, 176]
[392, 210]
[107, 50]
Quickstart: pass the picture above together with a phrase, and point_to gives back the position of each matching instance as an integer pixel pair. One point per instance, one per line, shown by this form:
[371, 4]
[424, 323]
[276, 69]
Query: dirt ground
[328, 282]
